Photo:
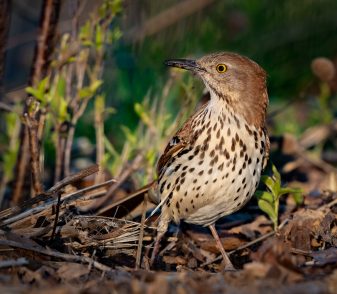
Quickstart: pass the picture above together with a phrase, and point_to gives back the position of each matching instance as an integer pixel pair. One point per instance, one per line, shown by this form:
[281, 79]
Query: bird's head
[234, 80]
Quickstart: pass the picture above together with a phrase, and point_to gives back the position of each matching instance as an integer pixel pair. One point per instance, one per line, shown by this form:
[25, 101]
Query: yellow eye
[221, 68]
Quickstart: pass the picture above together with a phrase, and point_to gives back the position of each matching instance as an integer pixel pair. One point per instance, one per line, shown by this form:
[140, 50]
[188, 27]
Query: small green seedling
[268, 201]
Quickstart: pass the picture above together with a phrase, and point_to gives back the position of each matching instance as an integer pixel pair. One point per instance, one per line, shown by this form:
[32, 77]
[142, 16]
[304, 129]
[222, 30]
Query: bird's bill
[184, 63]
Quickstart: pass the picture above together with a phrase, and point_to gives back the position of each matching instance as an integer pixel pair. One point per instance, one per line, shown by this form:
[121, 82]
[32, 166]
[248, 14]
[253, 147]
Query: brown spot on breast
[233, 145]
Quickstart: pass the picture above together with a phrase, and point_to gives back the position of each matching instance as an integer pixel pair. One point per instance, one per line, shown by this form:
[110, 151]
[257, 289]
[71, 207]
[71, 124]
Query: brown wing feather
[266, 154]
[180, 141]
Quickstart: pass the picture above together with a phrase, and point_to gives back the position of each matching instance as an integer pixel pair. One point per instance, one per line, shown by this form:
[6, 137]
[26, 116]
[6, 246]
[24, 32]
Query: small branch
[13, 262]
[141, 233]
[74, 178]
[65, 198]
[34, 154]
[259, 239]
[166, 18]
[134, 166]
[53, 253]
[6, 107]
[21, 165]
[99, 128]
[57, 213]
[46, 39]
[49, 194]
[5, 14]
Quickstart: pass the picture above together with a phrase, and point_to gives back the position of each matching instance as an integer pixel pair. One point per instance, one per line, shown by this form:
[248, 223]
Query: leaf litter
[94, 252]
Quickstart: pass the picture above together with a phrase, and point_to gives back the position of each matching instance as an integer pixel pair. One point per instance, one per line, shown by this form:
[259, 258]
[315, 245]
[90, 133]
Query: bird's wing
[266, 154]
[180, 141]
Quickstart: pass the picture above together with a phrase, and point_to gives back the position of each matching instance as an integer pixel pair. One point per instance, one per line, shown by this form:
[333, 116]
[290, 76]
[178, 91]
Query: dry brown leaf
[70, 271]
[328, 256]
[174, 260]
[260, 225]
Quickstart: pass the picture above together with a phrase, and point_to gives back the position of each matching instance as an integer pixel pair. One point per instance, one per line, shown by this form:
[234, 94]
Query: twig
[141, 233]
[74, 178]
[49, 194]
[34, 153]
[4, 106]
[99, 128]
[21, 165]
[45, 205]
[49, 252]
[46, 40]
[5, 14]
[57, 213]
[13, 262]
[328, 205]
[166, 18]
[259, 239]
[133, 167]
[49, 19]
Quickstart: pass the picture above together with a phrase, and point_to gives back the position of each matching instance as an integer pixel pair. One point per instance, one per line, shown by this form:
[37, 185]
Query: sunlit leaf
[269, 210]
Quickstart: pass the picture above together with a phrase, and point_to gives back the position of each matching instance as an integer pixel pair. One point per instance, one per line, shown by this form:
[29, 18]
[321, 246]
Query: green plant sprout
[269, 200]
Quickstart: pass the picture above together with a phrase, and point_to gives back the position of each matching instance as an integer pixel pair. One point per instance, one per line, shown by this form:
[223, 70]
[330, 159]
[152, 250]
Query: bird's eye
[221, 68]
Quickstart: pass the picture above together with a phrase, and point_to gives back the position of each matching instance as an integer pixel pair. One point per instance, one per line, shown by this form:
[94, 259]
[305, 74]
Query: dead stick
[49, 252]
[133, 167]
[49, 194]
[259, 239]
[34, 153]
[64, 198]
[74, 178]
[57, 213]
[13, 262]
[141, 233]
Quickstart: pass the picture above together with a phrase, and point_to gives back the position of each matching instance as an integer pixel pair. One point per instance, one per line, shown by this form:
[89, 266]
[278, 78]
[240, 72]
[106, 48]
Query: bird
[212, 166]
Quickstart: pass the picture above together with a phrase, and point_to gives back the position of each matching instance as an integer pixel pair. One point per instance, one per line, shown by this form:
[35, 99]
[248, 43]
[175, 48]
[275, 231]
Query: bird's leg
[161, 230]
[156, 247]
[228, 264]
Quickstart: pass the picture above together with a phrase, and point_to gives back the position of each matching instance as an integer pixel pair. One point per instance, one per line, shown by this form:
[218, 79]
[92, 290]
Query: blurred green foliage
[283, 36]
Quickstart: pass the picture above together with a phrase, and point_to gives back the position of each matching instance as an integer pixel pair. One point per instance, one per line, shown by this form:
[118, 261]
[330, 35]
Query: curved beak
[184, 63]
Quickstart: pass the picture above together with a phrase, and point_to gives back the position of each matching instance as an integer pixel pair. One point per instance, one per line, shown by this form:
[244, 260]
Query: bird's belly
[212, 183]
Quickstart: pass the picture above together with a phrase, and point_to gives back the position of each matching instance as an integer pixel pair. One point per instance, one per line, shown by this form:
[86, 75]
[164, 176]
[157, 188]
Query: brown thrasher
[213, 164]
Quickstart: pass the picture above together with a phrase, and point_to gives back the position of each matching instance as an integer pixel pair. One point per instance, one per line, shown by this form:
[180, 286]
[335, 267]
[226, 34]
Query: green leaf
[298, 197]
[40, 90]
[144, 116]
[276, 174]
[99, 38]
[130, 137]
[269, 210]
[85, 92]
[32, 91]
[295, 192]
[264, 196]
[61, 87]
[85, 32]
[95, 85]
[271, 185]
